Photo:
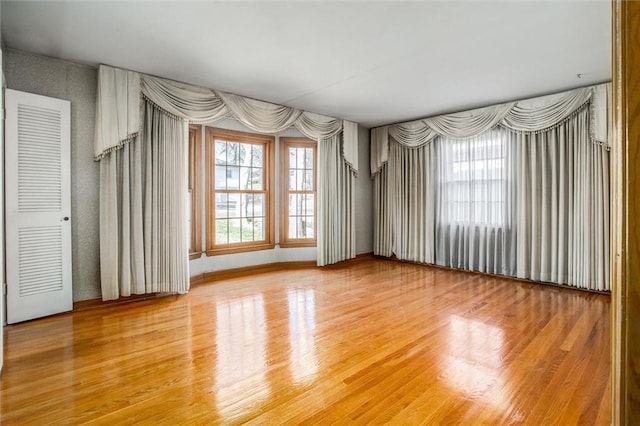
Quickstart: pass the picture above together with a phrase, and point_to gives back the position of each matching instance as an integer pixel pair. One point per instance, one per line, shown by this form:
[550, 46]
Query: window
[473, 172]
[239, 191]
[195, 209]
[298, 205]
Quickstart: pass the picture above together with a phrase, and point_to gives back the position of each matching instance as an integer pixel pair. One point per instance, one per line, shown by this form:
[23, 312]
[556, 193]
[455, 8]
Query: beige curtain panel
[336, 201]
[142, 210]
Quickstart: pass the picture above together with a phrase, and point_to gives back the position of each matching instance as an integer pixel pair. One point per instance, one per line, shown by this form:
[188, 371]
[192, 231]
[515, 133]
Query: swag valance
[530, 115]
[118, 111]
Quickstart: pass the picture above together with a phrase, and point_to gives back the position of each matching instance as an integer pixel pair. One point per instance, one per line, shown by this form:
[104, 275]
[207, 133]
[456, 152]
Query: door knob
[65, 218]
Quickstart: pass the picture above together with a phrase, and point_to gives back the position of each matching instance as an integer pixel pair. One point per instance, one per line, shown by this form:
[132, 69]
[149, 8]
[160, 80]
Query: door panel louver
[40, 259]
[39, 159]
[37, 206]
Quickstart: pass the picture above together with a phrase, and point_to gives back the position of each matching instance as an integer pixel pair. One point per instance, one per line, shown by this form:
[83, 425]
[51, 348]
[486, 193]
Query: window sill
[233, 249]
[299, 243]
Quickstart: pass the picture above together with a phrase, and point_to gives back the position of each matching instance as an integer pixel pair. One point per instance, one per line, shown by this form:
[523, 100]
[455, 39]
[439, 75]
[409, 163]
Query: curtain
[136, 109]
[532, 205]
[562, 187]
[118, 110]
[528, 115]
[475, 202]
[336, 204]
[143, 239]
[382, 220]
[411, 200]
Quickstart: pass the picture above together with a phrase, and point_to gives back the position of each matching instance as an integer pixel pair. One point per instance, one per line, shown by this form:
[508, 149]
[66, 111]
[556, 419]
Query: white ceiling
[370, 62]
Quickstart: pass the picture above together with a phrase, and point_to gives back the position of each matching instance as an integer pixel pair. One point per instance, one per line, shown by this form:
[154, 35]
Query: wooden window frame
[285, 143]
[213, 133]
[195, 180]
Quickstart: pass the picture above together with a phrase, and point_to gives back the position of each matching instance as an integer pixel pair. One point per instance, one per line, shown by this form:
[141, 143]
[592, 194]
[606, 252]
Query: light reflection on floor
[302, 325]
[241, 363]
[474, 361]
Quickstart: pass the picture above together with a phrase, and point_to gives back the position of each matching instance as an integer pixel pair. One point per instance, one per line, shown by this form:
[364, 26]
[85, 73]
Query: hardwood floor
[372, 342]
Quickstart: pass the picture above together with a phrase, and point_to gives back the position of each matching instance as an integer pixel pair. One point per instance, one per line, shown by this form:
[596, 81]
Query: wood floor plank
[371, 342]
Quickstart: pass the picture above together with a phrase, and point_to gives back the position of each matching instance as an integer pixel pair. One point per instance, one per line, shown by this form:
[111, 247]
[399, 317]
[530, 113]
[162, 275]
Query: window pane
[300, 180]
[474, 171]
[247, 205]
[234, 204]
[221, 152]
[222, 206]
[300, 158]
[259, 205]
[257, 155]
[301, 216]
[292, 205]
[292, 158]
[300, 226]
[309, 205]
[292, 179]
[258, 229]
[308, 158]
[245, 178]
[300, 204]
[292, 227]
[233, 153]
[309, 230]
[256, 178]
[234, 231]
[233, 177]
[247, 230]
[307, 183]
[221, 231]
[221, 177]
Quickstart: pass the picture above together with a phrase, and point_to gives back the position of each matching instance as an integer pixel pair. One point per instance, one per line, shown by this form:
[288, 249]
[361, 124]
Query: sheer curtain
[475, 202]
[143, 239]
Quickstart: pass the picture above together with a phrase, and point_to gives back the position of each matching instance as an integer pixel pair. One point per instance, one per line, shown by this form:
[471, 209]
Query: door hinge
[4, 289]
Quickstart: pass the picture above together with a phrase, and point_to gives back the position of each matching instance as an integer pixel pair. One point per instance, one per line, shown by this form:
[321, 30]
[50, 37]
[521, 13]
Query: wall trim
[207, 277]
[84, 305]
[487, 274]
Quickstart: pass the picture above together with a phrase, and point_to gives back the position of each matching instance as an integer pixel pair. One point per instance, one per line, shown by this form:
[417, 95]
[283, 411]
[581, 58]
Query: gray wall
[364, 195]
[76, 83]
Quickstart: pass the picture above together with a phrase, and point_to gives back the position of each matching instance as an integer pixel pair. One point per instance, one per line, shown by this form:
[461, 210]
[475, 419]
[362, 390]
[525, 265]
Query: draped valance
[530, 115]
[118, 111]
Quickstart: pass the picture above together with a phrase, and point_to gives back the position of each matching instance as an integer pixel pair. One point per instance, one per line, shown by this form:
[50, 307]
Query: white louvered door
[38, 206]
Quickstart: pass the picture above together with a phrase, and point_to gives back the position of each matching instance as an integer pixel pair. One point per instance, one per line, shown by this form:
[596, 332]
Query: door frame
[625, 208]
